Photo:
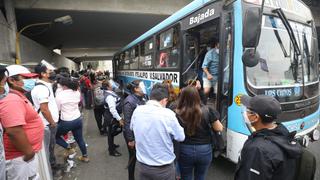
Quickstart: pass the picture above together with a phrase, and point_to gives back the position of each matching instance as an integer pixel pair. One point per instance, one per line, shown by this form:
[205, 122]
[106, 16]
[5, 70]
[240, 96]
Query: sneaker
[83, 159]
[70, 153]
[70, 164]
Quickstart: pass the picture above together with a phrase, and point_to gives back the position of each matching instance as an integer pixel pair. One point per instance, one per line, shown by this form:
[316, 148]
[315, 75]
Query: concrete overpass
[99, 27]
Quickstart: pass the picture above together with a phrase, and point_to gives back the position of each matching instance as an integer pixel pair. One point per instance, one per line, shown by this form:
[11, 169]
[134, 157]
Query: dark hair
[132, 85]
[189, 109]
[69, 83]
[63, 70]
[40, 68]
[159, 92]
[265, 119]
[3, 71]
[213, 42]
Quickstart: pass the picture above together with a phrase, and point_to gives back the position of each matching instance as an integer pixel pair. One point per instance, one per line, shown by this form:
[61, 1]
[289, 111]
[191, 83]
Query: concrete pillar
[12, 24]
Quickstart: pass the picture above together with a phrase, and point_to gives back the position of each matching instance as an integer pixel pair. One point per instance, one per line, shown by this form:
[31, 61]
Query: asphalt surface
[105, 167]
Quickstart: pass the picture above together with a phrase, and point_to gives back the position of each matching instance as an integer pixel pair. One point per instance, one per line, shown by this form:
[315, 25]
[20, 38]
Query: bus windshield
[277, 66]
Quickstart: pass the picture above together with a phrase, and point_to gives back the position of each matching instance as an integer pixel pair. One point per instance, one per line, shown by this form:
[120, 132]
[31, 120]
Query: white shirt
[40, 94]
[67, 102]
[154, 128]
[111, 101]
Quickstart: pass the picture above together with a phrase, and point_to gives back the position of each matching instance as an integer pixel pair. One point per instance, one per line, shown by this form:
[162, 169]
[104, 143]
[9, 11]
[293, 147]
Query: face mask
[52, 76]
[28, 84]
[247, 121]
[115, 86]
[6, 91]
[143, 88]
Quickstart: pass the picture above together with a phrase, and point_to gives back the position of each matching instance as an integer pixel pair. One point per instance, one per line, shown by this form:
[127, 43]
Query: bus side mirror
[250, 58]
[251, 27]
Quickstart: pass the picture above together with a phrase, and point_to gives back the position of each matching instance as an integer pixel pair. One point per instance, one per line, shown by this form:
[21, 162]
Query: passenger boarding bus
[265, 47]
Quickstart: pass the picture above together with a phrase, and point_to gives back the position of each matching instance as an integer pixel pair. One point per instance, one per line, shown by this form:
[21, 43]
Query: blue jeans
[75, 126]
[195, 159]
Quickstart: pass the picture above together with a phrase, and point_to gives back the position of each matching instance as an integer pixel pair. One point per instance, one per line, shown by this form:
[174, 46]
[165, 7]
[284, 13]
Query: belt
[160, 166]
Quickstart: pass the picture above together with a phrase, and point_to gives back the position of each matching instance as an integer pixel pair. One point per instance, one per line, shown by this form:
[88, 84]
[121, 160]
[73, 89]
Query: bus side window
[126, 64]
[121, 61]
[134, 58]
[167, 55]
[146, 54]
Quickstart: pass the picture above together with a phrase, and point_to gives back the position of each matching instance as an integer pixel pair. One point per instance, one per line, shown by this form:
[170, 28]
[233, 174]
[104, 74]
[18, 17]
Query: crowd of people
[37, 111]
[168, 134]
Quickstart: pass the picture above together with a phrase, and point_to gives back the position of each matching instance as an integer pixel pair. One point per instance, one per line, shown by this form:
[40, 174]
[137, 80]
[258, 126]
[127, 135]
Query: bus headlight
[315, 135]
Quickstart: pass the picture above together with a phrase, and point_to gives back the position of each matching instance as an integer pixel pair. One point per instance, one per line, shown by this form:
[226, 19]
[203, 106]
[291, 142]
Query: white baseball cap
[20, 70]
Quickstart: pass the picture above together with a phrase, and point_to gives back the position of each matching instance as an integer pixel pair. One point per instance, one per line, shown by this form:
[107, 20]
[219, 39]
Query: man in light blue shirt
[155, 127]
[210, 67]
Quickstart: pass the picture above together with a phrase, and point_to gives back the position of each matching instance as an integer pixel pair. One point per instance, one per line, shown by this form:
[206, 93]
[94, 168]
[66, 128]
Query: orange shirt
[16, 110]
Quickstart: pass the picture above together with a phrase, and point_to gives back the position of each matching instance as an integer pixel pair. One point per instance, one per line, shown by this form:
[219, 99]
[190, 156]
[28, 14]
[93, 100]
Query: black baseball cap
[263, 105]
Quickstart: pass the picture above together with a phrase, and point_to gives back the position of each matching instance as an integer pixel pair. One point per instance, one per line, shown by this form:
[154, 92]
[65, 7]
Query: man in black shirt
[270, 152]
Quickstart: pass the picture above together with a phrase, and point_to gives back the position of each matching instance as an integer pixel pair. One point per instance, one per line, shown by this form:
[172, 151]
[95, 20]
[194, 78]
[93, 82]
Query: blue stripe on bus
[309, 121]
[235, 120]
[170, 20]
[147, 82]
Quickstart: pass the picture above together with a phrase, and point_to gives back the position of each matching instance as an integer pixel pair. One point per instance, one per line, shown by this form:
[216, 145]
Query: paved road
[105, 167]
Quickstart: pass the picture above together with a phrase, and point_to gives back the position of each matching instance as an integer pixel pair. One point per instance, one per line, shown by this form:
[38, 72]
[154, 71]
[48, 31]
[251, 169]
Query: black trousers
[111, 146]
[131, 162]
[98, 114]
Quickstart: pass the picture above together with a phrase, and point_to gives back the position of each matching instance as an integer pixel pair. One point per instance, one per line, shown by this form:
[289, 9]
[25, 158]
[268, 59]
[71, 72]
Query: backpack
[218, 144]
[83, 86]
[306, 164]
[99, 96]
[29, 97]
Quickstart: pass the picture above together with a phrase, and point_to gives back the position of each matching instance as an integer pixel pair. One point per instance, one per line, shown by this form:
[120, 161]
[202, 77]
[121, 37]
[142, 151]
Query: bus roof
[194, 5]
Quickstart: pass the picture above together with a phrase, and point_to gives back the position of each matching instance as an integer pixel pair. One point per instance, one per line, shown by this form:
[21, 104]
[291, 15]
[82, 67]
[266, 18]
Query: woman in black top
[131, 102]
[196, 149]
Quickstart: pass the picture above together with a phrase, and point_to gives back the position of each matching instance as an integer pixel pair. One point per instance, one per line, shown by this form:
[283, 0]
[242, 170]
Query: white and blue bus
[265, 47]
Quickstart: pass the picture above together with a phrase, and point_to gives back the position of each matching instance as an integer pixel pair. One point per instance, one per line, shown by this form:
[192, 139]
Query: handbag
[217, 141]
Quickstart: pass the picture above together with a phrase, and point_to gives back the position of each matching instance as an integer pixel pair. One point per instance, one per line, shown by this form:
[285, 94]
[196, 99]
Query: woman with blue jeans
[70, 117]
[196, 150]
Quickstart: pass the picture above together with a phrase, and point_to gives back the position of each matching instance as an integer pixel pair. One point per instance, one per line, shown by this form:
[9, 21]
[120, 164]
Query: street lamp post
[64, 20]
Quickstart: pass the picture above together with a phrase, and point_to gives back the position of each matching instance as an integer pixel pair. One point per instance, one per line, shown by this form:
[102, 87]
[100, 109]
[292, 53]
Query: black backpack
[306, 164]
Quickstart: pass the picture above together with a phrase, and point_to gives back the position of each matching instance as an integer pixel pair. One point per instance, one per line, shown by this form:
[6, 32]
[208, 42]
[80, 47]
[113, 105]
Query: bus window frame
[179, 47]
[223, 45]
[127, 51]
[133, 57]
[152, 53]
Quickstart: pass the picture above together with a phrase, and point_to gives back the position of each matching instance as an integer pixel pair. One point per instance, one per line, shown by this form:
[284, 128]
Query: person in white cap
[23, 127]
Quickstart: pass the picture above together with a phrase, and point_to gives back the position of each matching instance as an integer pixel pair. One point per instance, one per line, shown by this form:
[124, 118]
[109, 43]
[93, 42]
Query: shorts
[18, 169]
[209, 83]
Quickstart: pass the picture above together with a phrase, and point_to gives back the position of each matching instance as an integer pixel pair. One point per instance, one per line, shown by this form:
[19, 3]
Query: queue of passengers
[36, 111]
[168, 136]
